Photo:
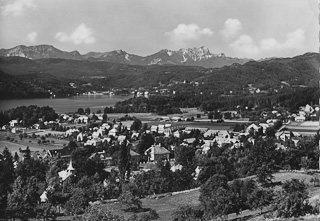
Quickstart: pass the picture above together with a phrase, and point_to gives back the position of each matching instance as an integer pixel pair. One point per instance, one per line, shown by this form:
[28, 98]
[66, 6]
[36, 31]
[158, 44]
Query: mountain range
[192, 56]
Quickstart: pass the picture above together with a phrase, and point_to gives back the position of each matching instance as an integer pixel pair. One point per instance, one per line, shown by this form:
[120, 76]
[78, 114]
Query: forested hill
[21, 77]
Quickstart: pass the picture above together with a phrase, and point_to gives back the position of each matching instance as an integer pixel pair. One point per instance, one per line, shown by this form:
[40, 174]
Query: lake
[70, 104]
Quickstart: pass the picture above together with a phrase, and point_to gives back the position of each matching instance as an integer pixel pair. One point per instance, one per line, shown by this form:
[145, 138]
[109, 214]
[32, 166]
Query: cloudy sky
[238, 28]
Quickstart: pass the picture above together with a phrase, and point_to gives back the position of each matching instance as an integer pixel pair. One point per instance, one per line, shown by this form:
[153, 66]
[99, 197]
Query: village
[155, 139]
[94, 130]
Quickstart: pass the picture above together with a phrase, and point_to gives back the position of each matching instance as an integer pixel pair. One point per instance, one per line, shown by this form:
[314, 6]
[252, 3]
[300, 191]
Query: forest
[24, 78]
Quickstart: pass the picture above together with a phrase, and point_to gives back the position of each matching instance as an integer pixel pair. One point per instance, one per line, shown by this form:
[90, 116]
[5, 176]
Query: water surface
[70, 104]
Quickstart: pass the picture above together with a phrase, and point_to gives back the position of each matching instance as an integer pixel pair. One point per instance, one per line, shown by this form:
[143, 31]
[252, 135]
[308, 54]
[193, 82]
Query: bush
[187, 213]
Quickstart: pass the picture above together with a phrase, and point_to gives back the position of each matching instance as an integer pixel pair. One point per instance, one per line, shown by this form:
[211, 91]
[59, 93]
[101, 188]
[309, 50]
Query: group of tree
[161, 105]
[27, 116]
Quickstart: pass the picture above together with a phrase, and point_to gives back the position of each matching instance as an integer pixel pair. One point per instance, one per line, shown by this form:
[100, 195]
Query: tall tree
[292, 201]
[7, 178]
[22, 202]
[124, 161]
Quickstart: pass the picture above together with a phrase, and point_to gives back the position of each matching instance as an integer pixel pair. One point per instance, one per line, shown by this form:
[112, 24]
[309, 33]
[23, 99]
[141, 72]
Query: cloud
[231, 29]
[191, 32]
[32, 37]
[245, 45]
[18, 7]
[80, 35]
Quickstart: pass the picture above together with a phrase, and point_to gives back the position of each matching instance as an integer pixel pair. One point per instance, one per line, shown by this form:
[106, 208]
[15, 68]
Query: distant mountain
[191, 56]
[39, 52]
[22, 77]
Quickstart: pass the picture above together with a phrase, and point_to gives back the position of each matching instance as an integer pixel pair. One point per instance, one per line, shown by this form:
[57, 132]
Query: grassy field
[164, 206]
[14, 142]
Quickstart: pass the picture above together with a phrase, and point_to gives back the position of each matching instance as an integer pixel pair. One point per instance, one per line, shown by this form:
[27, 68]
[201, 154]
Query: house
[63, 152]
[36, 126]
[210, 133]
[83, 119]
[253, 127]
[71, 131]
[223, 134]
[135, 157]
[176, 134]
[113, 132]
[80, 137]
[201, 129]
[97, 133]
[189, 141]
[93, 142]
[13, 123]
[154, 128]
[135, 135]
[121, 138]
[283, 135]
[157, 152]
[300, 118]
[176, 119]
[107, 160]
[43, 197]
[207, 145]
[176, 167]
[64, 174]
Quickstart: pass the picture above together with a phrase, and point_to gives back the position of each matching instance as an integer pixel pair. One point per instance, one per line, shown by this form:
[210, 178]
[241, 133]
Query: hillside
[164, 206]
[55, 74]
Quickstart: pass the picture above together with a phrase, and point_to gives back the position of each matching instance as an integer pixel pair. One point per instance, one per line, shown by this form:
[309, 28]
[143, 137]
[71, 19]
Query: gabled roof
[70, 167]
[157, 149]
[132, 153]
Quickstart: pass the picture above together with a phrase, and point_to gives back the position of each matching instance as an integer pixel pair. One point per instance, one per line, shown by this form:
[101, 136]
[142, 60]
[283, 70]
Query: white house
[157, 152]
[300, 118]
[64, 174]
[13, 123]
[113, 132]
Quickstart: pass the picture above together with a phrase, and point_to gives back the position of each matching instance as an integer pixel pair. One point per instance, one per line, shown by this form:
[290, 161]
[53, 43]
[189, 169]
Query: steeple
[70, 167]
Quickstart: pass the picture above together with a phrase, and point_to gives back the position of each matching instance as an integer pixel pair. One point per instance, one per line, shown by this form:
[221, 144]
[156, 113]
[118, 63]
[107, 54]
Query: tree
[16, 157]
[264, 175]
[97, 213]
[136, 125]
[87, 111]
[22, 202]
[145, 142]
[104, 117]
[6, 178]
[185, 156]
[292, 201]
[77, 202]
[80, 111]
[270, 132]
[216, 197]
[32, 167]
[259, 198]
[130, 200]
[124, 161]
[186, 213]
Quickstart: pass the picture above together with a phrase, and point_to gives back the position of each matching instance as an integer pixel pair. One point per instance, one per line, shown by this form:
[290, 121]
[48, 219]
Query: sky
[238, 28]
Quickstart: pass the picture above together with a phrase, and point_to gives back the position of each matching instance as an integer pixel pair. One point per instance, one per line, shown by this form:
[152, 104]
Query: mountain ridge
[186, 56]
[22, 77]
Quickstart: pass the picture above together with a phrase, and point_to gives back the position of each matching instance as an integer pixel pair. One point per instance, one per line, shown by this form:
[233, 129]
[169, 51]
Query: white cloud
[18, 7]
[244, 45]
[80, 35]
[191, 32]
[32, 37]
[231, 29]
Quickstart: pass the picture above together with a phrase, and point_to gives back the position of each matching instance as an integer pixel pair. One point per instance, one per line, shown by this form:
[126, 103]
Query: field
[14, 142]
[164, 206]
